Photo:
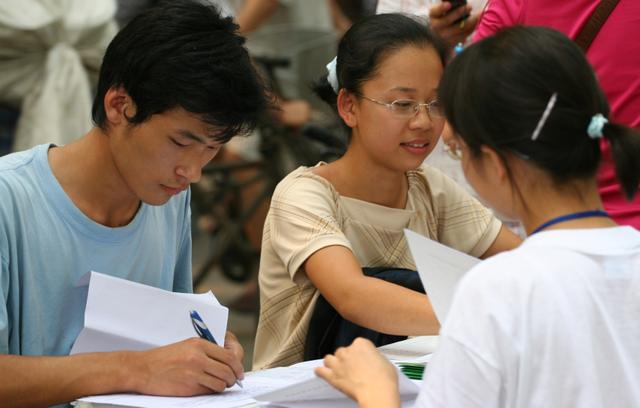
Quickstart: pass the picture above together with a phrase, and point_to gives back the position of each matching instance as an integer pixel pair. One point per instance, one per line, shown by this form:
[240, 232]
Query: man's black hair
[183, 54]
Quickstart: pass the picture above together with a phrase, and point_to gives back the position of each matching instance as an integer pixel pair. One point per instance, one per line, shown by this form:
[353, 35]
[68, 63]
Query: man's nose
[191, 171]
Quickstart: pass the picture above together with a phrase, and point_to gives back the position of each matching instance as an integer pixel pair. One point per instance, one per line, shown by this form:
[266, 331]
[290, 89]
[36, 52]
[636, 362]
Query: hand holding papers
[257, 383]
[157, 325]
[316, 392]
[124, 315]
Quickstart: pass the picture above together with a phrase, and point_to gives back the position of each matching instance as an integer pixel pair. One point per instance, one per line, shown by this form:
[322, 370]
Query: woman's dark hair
[183, 54]
[495, 92]
[367, 43]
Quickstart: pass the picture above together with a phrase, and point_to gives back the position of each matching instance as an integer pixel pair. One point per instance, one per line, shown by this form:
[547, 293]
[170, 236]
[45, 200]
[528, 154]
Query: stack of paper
[124, 315]
[293, 387]
[316, 393]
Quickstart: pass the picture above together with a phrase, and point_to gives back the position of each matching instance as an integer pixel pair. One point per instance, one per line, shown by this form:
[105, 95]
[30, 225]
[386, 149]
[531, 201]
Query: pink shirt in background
[615, 57]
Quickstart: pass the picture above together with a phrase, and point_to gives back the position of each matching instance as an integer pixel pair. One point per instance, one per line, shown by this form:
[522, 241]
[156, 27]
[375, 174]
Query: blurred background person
[346, 12]
[50, 53]
[453, 24]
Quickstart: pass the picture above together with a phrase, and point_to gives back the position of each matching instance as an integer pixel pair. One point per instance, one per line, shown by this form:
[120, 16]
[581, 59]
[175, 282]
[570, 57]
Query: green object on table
[415, 371]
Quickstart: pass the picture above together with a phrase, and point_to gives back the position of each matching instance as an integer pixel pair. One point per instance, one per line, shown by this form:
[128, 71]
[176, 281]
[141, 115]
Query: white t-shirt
[553, 323]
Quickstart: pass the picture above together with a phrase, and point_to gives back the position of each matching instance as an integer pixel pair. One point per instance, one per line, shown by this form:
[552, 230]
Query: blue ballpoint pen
[203, 332]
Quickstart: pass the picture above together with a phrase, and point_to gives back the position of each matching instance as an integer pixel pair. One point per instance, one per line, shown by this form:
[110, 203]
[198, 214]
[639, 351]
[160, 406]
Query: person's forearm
[340, 22]
[366, 301]
[388, 308]
[255, 12]
[44, 381]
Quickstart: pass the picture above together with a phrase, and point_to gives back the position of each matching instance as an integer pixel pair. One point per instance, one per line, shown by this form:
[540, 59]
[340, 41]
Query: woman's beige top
[308, 214]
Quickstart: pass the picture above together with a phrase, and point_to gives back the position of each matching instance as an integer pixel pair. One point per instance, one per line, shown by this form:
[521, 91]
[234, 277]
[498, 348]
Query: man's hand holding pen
[191, 367]
[203, 332]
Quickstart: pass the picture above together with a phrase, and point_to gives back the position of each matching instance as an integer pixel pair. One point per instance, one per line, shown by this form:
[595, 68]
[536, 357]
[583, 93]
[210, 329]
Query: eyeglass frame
[454, 151]
[417, 105]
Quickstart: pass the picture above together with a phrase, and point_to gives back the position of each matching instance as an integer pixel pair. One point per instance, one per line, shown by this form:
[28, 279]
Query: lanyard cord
[569, 217]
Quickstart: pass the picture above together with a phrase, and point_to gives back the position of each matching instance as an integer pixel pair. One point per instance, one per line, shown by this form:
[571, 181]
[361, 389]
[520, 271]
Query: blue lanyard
[569, 217]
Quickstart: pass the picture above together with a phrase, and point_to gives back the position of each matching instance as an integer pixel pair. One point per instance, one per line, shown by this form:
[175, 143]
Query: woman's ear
[118, 106]
[447, 133]
[346, 104]
[493, 165]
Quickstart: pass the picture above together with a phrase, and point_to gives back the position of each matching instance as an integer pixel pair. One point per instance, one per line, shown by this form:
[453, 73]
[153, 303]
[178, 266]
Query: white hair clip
[596, 125]
[545, 115]
[332, 75]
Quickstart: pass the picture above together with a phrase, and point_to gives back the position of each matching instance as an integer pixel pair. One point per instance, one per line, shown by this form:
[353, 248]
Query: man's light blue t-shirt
[47, 244]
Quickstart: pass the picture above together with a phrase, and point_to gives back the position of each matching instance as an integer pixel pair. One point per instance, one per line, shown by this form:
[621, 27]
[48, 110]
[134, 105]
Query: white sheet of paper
[254, 383]
[413, 350]
[440, 269]
[231, 398]
[315, 390]
[406, 402]
[259, 382]
[125, 315]
[275, 381]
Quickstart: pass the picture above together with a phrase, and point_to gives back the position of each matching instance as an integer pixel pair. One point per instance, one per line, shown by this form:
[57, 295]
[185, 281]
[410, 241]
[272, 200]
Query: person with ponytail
[553, 322]
[328, 222]
[613, 50]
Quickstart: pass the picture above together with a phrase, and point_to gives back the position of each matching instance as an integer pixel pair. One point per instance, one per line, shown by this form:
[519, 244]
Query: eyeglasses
[408, 107]
[453, 150]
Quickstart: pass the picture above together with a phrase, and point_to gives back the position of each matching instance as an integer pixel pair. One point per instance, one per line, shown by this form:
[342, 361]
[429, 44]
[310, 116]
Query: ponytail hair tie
[596, 125]
[332, 76]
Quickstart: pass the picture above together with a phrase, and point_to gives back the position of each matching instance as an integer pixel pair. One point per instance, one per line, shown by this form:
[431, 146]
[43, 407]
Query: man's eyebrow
[191, 136]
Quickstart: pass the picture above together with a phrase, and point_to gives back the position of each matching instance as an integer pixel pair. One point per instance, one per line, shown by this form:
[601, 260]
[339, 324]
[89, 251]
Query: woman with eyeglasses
[554, 322]
[328, 222]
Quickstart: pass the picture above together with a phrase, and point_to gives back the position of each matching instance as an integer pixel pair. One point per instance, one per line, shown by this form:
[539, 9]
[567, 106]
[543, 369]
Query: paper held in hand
[440, 269]
[125, 315]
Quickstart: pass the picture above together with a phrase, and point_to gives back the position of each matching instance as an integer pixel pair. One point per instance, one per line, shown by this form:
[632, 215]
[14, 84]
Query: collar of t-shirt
[597, 241]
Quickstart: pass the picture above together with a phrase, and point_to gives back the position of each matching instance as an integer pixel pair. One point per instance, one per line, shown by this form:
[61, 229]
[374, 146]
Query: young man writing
[175, 84]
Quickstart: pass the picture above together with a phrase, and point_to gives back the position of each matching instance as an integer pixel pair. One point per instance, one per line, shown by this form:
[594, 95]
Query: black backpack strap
[328, 330]
[596, 21]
